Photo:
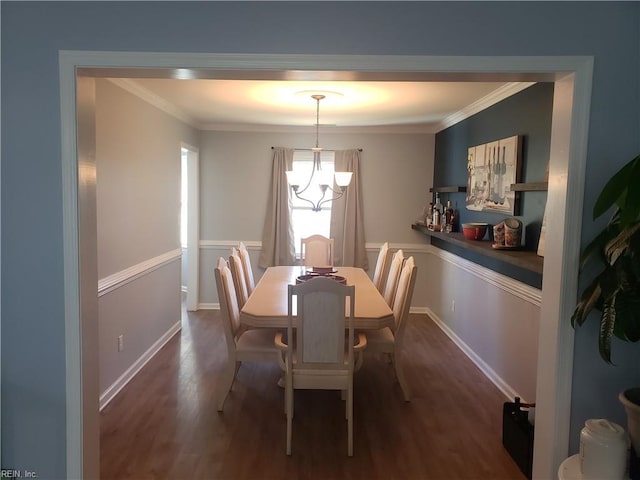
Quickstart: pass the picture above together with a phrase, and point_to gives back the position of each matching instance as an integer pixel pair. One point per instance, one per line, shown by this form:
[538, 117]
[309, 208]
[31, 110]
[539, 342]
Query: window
[305, 221]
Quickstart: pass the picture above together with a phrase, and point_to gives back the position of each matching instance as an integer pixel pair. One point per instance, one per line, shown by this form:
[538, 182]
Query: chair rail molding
[219, 244]
[369, 246]
[508, 284]
[118, 279]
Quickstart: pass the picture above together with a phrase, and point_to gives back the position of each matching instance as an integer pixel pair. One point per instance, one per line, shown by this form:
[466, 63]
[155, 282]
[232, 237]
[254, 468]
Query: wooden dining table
[267, 305]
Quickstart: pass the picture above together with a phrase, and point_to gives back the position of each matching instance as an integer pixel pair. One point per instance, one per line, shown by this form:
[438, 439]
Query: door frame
[570, 123]
[193, 226]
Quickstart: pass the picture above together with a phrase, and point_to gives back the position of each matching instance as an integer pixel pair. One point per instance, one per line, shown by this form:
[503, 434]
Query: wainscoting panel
[492, 318]
[141, 304]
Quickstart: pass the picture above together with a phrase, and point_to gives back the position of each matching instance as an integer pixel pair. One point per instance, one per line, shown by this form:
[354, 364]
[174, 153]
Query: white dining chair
[246, 265]
[239, 279]
[316, 251]
[318, 357]
[255, 345]
[381, 264]
[391, 280]
[389, 340]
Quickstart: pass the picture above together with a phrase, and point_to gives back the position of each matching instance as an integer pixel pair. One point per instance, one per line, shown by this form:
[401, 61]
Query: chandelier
[320, 178]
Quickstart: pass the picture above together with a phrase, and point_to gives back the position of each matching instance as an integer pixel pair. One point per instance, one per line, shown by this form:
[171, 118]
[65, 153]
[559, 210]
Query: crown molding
[346, 130]
[485, 102]
[134, 88]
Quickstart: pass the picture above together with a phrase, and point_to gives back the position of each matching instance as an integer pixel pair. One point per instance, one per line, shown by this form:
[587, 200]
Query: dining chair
[381, 264]
[317, 358]
[391, 280]
[239, 279]
[316, 251]
[255, 345]
[389, 340]
[246, 265]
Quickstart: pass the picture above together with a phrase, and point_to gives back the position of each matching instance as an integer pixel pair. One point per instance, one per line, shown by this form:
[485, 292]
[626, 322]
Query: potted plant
[615, 291]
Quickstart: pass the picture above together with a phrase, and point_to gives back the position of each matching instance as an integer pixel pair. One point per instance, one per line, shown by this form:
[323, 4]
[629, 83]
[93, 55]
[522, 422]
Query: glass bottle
[428, 215]
[448, 218]
[438, 210]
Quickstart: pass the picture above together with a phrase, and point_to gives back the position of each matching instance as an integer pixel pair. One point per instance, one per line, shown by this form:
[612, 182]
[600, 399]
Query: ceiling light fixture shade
[323, 179]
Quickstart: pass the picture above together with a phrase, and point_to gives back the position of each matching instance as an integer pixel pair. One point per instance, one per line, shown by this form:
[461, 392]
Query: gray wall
[138, 178]
[33, 385]
[138, 219]
[235, 172]
[493, 319]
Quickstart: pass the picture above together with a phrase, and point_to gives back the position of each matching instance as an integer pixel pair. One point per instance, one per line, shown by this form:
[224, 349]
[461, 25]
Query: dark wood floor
[164, 423]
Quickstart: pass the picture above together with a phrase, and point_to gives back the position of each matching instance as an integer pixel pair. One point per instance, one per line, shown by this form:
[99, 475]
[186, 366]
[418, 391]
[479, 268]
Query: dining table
[267, 304]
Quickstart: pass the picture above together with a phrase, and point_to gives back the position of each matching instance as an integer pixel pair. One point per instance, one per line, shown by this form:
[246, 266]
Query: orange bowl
[475, 230]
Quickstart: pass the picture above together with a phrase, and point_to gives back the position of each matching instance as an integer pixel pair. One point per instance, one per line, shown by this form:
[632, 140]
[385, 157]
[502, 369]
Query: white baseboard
[488, 372]
[208, 306]
[110, 393]
[420, 310]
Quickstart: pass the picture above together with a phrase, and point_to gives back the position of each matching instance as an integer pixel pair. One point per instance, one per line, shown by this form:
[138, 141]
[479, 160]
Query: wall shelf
[524, 259]
[448, 189]
[530, 187]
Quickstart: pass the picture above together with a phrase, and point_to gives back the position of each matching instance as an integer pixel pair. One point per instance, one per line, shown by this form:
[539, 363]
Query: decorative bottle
[438, 210]
[448, 218]
[428, 215]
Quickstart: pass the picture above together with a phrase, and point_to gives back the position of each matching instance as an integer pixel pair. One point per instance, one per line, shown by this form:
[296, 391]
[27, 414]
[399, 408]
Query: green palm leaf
[607, 326]
[615, 291]
[615, 191]
[618, 245]
[588, 301]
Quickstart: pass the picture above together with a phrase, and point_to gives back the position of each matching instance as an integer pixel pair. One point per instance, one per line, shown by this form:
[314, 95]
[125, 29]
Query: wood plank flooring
[164, 423]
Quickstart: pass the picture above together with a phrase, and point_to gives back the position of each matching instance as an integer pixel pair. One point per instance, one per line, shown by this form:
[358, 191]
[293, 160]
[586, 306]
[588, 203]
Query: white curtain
[347, 220]
[278, 247]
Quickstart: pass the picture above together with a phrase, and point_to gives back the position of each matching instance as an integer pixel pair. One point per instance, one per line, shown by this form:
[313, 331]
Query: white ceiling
[210, 104]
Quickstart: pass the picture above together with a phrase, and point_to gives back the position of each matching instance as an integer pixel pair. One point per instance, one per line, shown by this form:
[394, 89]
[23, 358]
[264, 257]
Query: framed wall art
[491, 169]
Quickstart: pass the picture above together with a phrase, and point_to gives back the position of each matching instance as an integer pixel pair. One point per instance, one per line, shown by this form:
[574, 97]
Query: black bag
[517, 434]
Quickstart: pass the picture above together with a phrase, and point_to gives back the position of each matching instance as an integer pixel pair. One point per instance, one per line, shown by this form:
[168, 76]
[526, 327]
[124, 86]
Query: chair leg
[227, 382]
[359, 361]
[401, 378]
[350, 421]
[289, 406]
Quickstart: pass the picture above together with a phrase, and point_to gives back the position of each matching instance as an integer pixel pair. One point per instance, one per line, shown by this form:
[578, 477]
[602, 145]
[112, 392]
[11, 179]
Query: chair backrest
[228, 303]
[392, 277]
[381, 264]
[316, 251]
[404, 294]
[246, 264]
[239, 280]
[320, 323]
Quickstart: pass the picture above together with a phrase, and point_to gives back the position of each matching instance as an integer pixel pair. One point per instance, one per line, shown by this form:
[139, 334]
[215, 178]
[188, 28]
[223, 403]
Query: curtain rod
[309, 149]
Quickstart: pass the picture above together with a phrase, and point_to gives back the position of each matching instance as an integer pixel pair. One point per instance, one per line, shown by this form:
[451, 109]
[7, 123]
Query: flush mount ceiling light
[323, 179]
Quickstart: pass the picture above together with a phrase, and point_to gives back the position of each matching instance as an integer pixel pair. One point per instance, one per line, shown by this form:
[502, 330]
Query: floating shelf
[530, 187]
[449, 189]
[524, 259]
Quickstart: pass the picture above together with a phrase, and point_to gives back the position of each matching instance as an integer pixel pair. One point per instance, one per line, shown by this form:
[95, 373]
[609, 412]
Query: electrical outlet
[453, 306]
[120, 343]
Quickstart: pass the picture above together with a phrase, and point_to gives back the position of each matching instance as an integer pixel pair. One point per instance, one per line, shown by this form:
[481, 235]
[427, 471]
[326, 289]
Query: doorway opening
[189, 224]
[572, 76]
